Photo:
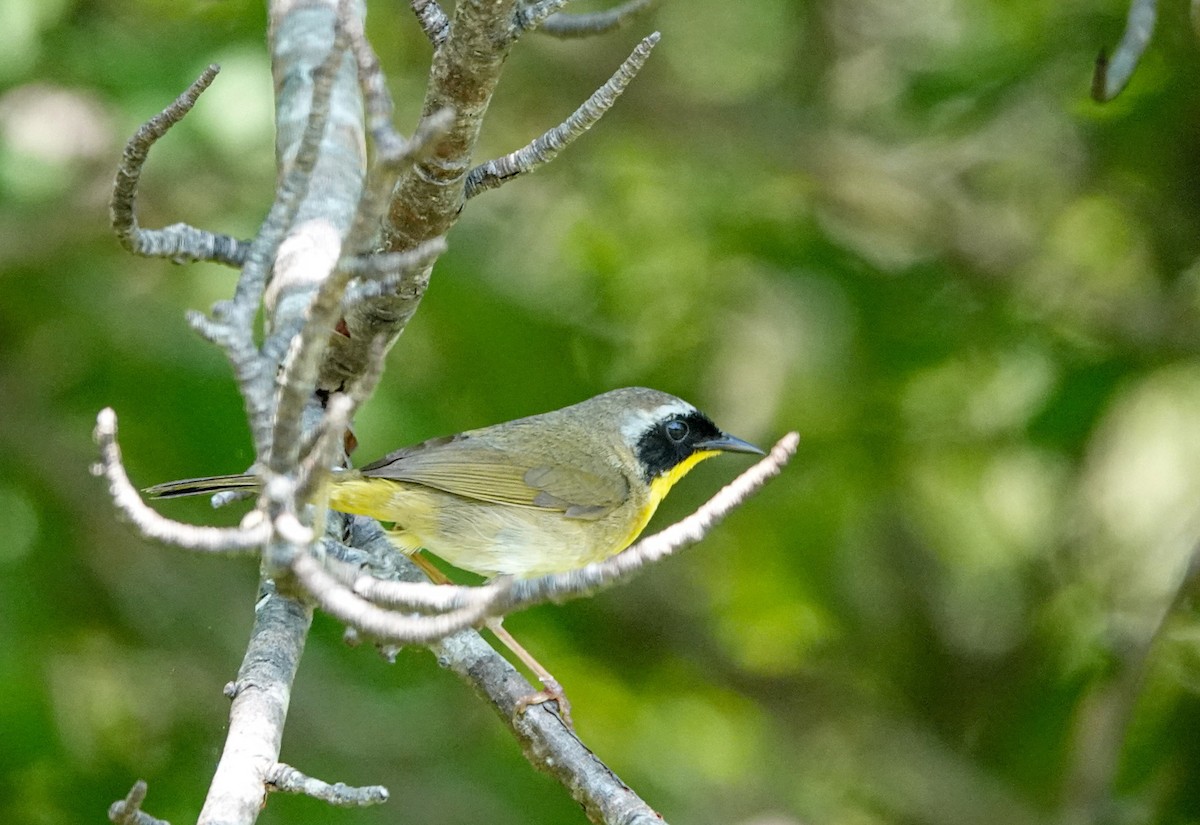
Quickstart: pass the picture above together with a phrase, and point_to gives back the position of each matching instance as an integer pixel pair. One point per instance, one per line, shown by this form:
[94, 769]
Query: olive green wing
[483, 473]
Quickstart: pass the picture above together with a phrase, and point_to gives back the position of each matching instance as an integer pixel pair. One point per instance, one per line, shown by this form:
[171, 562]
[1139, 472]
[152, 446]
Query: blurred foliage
[898, 227]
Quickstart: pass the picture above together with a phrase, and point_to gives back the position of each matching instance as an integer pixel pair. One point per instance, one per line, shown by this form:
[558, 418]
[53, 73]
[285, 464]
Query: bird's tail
[200, 486]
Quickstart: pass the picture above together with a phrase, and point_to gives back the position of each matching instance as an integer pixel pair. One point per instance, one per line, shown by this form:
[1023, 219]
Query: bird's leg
[552, 690]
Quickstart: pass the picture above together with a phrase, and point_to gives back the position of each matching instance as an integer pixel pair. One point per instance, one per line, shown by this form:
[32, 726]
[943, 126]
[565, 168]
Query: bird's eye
[677, 430]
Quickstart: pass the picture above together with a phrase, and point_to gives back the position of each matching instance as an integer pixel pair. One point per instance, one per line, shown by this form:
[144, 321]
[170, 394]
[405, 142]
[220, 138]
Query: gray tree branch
[546, 148]
[336, 293]
[261, 695]
[1112, 74]
[589, 24]
[179, 242]
[128, 811]
[286, 779]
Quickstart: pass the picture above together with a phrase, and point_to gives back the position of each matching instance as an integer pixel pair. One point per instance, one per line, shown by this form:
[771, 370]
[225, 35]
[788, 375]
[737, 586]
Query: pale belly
[488, 539]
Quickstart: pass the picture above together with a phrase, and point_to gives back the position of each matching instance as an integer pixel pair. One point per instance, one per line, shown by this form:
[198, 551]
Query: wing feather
[477, 471]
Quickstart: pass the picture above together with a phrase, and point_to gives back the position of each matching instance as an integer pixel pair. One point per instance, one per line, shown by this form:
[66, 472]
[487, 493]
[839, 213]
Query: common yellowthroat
[544, 494]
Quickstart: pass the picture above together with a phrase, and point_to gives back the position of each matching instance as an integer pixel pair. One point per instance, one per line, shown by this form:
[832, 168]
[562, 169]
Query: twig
[342, 603]
[291, 289]
[179, 242]
[128, 811]
[287, 779]
[589, 24]
[544, 149]
[1112, 74]
[404, 280]
[433, 20]
[548, 743]
[530, 15]
[400, 274]
[681, 534]
[327, 445]
[463, 78]
[245, 540]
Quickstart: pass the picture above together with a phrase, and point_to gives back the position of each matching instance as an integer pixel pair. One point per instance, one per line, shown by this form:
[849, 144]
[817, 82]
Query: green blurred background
[898, 227]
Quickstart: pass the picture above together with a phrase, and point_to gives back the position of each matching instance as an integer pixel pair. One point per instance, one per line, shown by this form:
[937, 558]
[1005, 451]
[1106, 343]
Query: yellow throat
[659, 487]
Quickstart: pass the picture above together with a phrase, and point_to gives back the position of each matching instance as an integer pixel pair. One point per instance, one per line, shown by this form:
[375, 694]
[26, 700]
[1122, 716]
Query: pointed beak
[727, 443]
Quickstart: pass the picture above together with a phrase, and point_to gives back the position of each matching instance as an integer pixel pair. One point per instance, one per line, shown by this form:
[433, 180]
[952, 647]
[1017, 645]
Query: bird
[549, 493]
[544, 494]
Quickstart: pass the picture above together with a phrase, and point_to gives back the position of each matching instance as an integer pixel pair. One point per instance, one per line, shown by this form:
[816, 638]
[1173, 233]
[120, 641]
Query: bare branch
[261, 695]
[464, 75]
[179, 242]
[327, 446]
[396, 274]
[339, 601]
[287, 779]
[427, 597]
[394, 154]
[593, 23]
[243, 540]
[549, 744]
[402, 281]
[544, 149]
[547, 741]
[128, 811]
[1112, 74]
[433, 20]
[307, 149]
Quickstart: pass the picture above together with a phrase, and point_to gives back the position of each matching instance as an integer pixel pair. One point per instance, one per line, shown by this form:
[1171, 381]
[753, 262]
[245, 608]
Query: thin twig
[384, 273]
[433, 20]
[128, 811]
[179, 242]
[343, 604]
[245, 540]
[682, 533]
[287, 779]
[530, 15]
[426, 597]
[1112, 74]
[304, 334]
[544, 149]
[327, 446]
[589, 24]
